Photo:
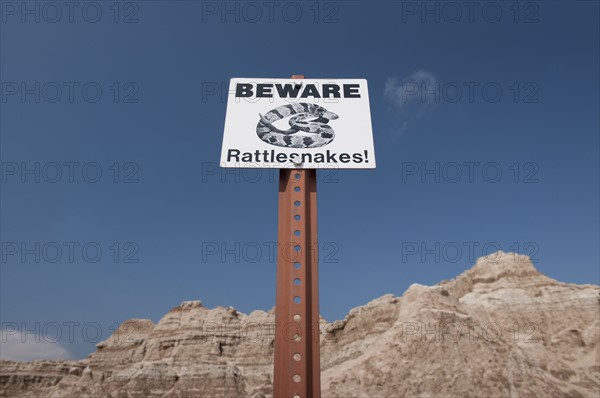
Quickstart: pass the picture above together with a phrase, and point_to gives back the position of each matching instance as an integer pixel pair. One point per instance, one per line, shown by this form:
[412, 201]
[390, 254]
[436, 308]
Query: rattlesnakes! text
[271, 156]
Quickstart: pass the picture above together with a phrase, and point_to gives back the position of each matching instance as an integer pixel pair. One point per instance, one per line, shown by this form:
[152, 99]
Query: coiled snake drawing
[308, 128]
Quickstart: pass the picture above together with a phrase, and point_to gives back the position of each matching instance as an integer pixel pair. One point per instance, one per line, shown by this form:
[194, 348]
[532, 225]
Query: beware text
[245, 90]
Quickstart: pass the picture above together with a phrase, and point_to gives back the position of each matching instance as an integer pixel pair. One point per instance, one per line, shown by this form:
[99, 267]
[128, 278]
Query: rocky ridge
[500, 329]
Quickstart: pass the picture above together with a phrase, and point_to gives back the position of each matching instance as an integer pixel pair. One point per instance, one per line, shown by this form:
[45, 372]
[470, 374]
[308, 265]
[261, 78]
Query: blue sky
[486, 129]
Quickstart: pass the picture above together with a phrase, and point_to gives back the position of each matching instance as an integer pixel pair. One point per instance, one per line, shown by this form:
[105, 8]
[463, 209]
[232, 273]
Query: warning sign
[298, 123]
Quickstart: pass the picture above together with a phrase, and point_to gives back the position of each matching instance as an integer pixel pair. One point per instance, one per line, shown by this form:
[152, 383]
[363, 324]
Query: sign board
[298, 123]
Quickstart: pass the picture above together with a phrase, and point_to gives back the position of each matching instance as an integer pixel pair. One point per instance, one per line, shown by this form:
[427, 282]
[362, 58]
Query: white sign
[298, 123]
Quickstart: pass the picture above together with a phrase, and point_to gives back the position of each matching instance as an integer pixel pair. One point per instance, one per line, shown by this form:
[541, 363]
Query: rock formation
[500, 329]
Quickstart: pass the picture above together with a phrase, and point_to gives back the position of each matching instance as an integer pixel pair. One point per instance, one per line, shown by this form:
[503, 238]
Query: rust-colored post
[297, 372]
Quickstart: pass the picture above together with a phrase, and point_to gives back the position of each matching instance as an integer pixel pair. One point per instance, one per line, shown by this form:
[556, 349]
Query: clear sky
[486, 129]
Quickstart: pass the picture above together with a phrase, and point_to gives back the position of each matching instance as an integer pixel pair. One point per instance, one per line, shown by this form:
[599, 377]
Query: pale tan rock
[500, 329]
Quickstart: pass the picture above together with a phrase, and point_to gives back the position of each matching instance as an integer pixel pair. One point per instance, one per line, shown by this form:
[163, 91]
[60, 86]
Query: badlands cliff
[500, 329]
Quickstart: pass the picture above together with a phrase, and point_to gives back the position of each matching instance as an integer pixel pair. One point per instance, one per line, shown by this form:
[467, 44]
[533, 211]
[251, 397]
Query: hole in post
[297, 189]
[297, 175]
[297, 203]
[297, 281]
[296, 396]
[297, 357]
[297, 248]
[297, 317]
[297, 265]
[297, 232]
[297, 378]
[297, 217]
[297, 337]
[297, 300]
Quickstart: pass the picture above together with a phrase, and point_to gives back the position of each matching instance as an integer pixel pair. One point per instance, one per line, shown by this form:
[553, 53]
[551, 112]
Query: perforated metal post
[297, 372]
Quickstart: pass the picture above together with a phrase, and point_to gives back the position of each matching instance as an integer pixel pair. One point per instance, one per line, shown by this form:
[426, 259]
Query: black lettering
[319, 158]
[331, 157]
[292, 90]
[344, 157]
[351, 91]
[231, 155]
[311, 90]
[306, 156]
[281, 157]
[331, 89]
[243, 90]
[264, 90]
[357, 158]
[287, 90]
[247, 157]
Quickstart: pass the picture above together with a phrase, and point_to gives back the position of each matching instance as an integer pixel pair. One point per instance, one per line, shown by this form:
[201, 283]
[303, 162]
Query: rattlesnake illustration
[308, 129]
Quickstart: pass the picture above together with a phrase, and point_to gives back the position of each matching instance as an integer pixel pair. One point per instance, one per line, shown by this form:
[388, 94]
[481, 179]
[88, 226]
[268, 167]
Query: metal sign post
[297, 372]
[328, 125]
